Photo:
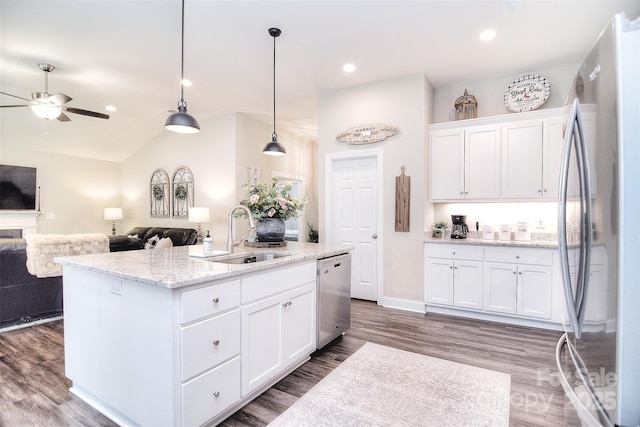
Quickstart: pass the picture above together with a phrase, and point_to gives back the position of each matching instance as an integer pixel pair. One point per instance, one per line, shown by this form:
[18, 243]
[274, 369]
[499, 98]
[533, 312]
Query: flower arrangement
[158, 192]
[272, 201]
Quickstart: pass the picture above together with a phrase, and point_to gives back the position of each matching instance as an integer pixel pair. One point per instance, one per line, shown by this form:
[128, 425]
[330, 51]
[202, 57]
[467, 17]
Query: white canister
[487, 232]
[504, 232]
[523, 232]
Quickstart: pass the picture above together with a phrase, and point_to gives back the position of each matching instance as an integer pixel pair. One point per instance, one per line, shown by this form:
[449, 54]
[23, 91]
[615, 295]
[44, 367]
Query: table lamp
[113, 214]
[199, 215]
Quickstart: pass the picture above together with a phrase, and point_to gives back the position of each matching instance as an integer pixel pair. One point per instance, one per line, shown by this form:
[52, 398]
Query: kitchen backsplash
[542, 217]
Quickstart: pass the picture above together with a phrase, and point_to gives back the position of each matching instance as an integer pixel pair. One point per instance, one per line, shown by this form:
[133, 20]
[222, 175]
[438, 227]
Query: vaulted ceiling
[126, 53]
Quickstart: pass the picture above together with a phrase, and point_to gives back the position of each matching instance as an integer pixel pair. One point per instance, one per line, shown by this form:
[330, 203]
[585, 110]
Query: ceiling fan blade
[15, 96]
[9, 106]
[85, 112]
[63, 117]
[59, 98]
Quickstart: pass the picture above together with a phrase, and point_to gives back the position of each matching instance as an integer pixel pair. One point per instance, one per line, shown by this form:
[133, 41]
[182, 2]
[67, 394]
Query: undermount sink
[249, 258]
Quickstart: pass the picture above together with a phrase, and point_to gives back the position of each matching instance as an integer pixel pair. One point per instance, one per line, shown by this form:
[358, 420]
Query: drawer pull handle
[216, 394]
[216, 342]
[216, 300]
[286, 304]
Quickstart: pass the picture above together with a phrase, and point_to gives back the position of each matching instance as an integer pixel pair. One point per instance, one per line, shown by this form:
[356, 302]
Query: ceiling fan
[48, 106]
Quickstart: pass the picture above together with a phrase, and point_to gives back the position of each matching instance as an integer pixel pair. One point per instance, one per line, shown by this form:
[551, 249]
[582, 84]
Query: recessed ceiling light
[186, 82]
[487, 35]
[111, 108]
[349, 68]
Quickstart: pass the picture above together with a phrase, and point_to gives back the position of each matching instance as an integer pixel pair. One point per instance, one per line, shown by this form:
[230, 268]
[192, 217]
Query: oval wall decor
[527, 93]
[367, 134]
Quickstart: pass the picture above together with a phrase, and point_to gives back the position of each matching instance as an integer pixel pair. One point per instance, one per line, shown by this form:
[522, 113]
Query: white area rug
[383, 386]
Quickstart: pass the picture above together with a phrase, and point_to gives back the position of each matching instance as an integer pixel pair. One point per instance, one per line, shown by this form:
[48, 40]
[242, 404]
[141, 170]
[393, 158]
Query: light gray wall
[404, 102]
[74, 190]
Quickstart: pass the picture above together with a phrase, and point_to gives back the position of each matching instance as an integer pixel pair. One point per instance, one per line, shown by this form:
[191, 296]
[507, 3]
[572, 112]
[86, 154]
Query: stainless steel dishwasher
[334, 297]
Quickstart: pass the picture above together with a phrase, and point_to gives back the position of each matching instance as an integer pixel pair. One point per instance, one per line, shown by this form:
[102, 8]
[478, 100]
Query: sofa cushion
[125, 243]
[178, 236]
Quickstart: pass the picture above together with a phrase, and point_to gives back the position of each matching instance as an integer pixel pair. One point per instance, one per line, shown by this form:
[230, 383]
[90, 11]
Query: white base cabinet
[148, 355]
[504, 281]
[454, 276]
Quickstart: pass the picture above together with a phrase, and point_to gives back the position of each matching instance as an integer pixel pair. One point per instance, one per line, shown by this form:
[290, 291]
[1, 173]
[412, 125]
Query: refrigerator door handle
[562, 221]
[585, 217]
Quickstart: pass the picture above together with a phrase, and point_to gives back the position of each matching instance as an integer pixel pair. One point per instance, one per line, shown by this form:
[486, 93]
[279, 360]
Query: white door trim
[330, 161]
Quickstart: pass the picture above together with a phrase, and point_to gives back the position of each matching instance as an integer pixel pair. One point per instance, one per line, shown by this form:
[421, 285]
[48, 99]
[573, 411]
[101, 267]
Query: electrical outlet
[51, 215]
[115, 287]
[540, 224]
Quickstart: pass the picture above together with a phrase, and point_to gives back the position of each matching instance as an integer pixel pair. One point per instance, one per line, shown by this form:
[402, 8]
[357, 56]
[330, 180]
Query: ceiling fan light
[274, 148]
[46, 111]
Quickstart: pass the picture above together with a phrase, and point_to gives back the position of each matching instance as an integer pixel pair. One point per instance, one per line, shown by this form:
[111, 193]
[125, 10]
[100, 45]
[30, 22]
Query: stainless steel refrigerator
[599, 213]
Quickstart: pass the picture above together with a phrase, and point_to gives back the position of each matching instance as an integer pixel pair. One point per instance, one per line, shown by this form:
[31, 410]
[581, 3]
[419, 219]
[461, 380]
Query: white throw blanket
[43, 248]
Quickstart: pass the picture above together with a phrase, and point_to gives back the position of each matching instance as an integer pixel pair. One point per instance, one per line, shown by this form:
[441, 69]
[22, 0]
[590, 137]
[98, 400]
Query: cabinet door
[262, 342]
[552, 144]
[446, 164]
[438, 281]
[534, 291]
[521, 147]
[467, 284]
[300, 323]
[482, 162]
[500, 287]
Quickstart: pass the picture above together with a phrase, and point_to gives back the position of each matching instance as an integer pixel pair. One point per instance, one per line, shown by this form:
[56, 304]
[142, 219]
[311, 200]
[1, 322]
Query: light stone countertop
[174, 268]
[550, 244]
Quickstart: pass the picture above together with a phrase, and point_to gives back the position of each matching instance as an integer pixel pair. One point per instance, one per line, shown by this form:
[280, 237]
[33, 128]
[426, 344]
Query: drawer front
[519, 255]
[206, 396]
[208, 343]
[207, 301]
[469, 252]
[274, 282]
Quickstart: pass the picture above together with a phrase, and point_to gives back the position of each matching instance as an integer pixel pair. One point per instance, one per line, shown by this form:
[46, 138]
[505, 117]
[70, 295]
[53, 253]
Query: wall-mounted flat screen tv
[17, 188]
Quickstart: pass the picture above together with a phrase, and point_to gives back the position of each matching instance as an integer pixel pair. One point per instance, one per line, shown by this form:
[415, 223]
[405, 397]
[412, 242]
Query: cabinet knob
[461, 193]
[517, 256]
[466, 192]
[455, 268]
[520, 272]
[453, 252]
[514, 272]
[216, 394]
[545, 190]
[539, 191]
[216, 342]
[451, 266]
[216, 300]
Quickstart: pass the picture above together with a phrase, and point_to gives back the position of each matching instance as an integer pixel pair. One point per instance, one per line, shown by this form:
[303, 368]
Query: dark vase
[270, 230]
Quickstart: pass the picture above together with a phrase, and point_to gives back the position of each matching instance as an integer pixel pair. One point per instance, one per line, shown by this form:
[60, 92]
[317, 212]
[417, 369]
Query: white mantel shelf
[24, 220]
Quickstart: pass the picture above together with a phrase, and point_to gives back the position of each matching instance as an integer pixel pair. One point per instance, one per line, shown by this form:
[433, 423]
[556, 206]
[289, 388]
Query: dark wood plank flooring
[34, 390]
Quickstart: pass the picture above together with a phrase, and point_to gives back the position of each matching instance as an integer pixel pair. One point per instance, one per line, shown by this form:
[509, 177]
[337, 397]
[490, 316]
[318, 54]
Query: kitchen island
[162, 338]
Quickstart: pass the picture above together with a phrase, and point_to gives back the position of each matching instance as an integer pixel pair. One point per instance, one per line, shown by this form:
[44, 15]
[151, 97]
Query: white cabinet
[518, 281]
[464, 163]
[510, 157]
[278, 330]
[453, 276]
[531, 156]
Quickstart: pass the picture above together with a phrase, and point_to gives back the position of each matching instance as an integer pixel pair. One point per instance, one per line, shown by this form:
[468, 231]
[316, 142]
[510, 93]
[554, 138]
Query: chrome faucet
[252, 226]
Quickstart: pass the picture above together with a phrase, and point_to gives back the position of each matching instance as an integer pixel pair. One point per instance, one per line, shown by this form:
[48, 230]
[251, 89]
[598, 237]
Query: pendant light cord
[274, 85]
[182, 60]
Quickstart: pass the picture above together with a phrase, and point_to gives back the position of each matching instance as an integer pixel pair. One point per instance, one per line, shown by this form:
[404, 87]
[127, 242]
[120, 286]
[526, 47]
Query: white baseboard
[512, 320]
[404, 304]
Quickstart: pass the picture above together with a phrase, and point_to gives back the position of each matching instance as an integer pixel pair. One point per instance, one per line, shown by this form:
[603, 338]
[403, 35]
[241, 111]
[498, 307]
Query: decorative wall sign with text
[367, 134]
[527, 93]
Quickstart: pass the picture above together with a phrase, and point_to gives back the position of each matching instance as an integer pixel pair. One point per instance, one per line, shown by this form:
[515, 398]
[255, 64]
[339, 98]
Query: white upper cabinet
[510, 157]
[465, 163]
[446, 154]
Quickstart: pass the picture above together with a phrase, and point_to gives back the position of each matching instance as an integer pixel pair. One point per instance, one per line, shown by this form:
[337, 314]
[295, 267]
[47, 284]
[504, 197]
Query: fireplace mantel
[27, 221]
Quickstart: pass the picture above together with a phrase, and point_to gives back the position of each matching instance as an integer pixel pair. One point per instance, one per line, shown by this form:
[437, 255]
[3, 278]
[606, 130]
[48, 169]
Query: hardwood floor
[34, 390]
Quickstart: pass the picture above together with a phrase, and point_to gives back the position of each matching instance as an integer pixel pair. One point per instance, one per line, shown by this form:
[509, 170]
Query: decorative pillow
[152, 242]
[164, 243]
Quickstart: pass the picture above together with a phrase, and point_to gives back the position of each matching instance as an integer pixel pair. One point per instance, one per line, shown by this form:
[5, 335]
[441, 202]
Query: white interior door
[353, 218]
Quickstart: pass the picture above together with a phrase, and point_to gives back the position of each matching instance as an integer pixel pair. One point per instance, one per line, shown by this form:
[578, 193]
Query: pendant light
[274, 148]
[182, 122]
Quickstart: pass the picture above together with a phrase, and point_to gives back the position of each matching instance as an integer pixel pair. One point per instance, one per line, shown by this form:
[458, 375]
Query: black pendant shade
[274, 148]
[182, 122]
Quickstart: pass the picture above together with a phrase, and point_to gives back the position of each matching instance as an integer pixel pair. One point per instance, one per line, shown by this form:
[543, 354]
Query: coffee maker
[459, 228]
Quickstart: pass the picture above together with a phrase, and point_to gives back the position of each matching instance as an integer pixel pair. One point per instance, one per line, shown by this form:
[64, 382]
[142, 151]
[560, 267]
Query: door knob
[374, 236]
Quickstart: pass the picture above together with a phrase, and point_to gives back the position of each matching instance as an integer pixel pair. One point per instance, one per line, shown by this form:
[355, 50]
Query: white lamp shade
[113, 213]
[199, 214]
